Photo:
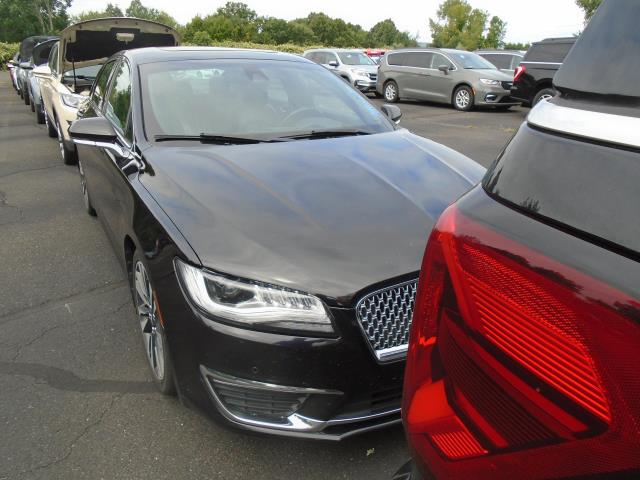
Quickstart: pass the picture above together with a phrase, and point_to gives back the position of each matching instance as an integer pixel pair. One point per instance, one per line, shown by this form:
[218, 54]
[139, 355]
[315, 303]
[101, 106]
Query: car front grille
[507, 85]
[385, 318]
[373, 76]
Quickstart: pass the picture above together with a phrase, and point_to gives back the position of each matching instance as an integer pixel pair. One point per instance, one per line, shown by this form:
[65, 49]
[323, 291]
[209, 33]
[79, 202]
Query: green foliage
[459, 25]
[22, 18]
[110, 11]
[385, 33]
[589, 7]
[7, 51]
[202, 39]
[516, 46]
[136, 9]
[285, 47]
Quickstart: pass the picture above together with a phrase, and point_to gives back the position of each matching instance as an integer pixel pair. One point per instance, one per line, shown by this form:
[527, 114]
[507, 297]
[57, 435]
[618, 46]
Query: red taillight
[513, 352]
[520, 69]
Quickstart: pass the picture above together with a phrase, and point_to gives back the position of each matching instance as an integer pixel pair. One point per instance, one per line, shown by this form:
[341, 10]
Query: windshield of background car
[355, 58]
[87, 72]
[251, 98]
[470, 60]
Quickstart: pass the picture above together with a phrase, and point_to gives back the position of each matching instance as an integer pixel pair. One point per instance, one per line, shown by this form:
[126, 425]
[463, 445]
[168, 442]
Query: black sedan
[272, 223]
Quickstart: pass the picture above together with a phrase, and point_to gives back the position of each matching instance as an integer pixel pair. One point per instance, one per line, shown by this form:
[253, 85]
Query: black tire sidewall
[167, 384]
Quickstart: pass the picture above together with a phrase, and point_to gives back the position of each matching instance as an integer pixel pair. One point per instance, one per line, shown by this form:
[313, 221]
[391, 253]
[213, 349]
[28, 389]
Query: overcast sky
[526, 21]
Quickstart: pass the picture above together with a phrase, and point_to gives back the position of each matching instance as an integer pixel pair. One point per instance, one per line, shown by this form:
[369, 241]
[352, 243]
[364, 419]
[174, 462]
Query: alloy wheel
[149, 322]
[546, 96]
[83, 186]
[60, 139]
[390, 92]
[462, 99]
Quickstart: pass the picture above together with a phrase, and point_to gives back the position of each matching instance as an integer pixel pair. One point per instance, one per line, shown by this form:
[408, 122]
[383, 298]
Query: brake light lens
[514, 353]
[520, 69]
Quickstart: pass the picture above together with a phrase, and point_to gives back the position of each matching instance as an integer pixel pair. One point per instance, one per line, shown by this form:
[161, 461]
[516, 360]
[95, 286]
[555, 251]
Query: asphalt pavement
[75, 397]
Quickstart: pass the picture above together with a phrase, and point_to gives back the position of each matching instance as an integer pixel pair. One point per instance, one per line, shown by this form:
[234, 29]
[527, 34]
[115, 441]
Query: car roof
[556, 40]
[496, 50]
[167, 54]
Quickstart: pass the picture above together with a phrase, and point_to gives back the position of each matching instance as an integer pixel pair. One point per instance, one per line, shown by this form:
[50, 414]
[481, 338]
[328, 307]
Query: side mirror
[98, 132]
[444, 69]
[42, 71]
[333, 64]
[26, 65]
[393, 112]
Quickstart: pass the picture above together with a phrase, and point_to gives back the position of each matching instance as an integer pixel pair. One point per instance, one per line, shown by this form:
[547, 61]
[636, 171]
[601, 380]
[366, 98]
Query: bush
[7, 51]
[285, 47]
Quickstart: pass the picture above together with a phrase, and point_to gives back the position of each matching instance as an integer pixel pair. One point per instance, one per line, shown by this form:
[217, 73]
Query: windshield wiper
[327, 134]
[217, 139]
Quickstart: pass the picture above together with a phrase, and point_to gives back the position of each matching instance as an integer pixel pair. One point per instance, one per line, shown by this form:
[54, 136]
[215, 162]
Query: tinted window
[41, 55]
[53, 59]
[440, 60]
[251, 98]
[548, 52]
[501, 61]
[100, 85]
[396, 59]
[117, 107]
[612, 42]
[572, 182]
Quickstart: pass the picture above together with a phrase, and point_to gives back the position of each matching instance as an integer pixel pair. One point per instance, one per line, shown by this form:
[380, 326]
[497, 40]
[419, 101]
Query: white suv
[353, 65]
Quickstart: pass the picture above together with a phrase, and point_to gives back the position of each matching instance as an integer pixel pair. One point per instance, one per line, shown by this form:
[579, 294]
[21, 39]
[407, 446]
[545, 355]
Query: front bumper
[365, 84]
[320, 388]
[487, 95]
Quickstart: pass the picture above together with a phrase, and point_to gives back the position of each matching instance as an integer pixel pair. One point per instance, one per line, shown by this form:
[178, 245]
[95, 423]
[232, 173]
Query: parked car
[504, 60]
[74, 62]
[39, 56]
[523, 351]
[11, 68]
[24, 66]
[270, 220]
[352, 65]
[533, 79]
[463, 79]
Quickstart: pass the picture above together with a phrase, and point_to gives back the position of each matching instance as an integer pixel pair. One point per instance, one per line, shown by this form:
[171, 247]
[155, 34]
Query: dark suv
[523, 353]
[533, 78]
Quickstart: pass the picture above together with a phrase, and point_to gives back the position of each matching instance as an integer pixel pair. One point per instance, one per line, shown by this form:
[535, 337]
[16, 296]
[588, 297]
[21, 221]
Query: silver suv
[463, 79]
[354, 66]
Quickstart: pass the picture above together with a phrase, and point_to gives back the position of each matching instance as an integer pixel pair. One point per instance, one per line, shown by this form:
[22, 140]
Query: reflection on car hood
[329, 217]
[366, 68]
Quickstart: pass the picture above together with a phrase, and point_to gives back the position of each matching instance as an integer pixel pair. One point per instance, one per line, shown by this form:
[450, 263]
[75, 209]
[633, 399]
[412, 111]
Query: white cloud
[525, 21]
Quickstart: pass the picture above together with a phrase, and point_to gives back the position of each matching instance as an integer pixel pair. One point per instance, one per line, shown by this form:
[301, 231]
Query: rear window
[592, 188]
[501, 61]
[548, 52]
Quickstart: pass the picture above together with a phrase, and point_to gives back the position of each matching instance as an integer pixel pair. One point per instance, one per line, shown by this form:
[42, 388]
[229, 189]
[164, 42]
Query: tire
[543, 94]
[390, 92]
[51, 128]
[25, 97]
[85, 191]
[463, 98]
[40, 115]
[69, 157]
[154, 339]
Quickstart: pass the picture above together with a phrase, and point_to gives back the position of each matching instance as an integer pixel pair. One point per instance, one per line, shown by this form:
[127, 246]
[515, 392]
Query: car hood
[93, 41]
[330, 217]
[366, 68]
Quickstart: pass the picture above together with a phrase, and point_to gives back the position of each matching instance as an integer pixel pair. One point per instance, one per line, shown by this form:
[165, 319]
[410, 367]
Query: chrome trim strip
[605, 127]
[296, 425]
[542, 63]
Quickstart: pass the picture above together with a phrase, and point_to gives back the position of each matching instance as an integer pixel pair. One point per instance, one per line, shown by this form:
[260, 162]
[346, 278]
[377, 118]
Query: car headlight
[488, 81]
[253, 305]
[360, 72]
[72, 100]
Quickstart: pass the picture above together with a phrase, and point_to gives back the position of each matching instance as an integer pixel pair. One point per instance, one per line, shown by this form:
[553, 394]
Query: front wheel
[154, 338]
[69, 156]
[51, 128]
[391, 93]
[40, 115]
[463, 98]
[85, 191]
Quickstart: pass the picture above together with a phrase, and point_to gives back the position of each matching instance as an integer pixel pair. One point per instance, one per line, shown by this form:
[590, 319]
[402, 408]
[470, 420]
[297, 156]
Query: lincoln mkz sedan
[272, 222]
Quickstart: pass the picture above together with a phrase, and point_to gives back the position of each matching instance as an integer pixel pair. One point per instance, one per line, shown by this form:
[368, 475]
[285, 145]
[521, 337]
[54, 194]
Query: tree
[110, 11]
[516, 46]
[23, 18]
[589, 7]
[137, 10]
[459, 25]
[202, 38]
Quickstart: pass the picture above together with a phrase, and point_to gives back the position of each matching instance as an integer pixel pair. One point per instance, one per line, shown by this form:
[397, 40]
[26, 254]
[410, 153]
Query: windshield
[251, 98]
[87, 72]
[471, 61]
[355, 58]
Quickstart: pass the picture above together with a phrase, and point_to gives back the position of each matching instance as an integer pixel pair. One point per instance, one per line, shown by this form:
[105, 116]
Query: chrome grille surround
[385, 318]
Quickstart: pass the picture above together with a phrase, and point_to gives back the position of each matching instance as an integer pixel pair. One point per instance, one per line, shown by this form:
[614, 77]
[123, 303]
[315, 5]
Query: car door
[418, 76]
[93, 160]
[117, 109]
[440, 83]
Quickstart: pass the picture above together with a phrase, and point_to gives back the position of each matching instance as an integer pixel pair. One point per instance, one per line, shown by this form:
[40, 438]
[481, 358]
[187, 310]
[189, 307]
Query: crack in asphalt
[4, 204]
[61, 301]
[18, 172]
[70, 446]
